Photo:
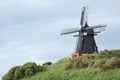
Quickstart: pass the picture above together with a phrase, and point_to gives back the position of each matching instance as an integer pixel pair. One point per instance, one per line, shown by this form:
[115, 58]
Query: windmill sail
[68, 31]
[84, 16]
[96, 26]
[100, 29]
[77, 45]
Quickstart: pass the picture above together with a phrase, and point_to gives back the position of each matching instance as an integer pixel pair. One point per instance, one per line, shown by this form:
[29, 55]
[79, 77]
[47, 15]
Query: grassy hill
[102, 66]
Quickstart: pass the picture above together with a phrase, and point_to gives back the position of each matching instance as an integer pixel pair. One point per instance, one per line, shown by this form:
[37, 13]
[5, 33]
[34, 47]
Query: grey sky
[29, 29]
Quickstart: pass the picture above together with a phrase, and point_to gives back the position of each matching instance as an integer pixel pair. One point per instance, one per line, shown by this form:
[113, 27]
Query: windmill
[86, 42]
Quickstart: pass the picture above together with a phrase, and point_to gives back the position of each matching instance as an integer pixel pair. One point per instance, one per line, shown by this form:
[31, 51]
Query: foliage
[18, 73]
[26, 70]
[11, 75]
[111, 53]
[111, 64]
[68, 66]
[107, 59]
[47, 63]
[93, 60]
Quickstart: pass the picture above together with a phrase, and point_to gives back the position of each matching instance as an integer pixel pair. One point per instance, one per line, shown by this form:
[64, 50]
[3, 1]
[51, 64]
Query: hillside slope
[104, 66]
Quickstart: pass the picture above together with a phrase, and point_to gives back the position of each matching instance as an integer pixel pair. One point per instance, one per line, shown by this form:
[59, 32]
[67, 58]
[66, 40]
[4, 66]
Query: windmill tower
[86, 42]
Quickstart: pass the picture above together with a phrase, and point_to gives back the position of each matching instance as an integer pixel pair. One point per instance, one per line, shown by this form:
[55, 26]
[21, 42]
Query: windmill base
[77, 55]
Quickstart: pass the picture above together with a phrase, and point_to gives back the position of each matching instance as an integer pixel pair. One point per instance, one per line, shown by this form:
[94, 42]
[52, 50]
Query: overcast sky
[30, 29]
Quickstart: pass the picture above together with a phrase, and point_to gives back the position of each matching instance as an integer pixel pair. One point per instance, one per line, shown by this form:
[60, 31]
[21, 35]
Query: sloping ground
[103, 66]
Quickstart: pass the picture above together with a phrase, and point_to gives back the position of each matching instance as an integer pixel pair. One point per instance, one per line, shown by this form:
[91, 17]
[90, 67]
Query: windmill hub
[86, 42]
[85, 33]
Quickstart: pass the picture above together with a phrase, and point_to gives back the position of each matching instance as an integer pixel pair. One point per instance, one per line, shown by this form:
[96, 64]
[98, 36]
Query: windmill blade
[77, 45]
[84, 16]
[68, 31]
[100, 29]
[96, 26]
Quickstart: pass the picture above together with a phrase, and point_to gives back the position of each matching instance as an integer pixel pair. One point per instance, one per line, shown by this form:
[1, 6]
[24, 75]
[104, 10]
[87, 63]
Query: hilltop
[105, 65]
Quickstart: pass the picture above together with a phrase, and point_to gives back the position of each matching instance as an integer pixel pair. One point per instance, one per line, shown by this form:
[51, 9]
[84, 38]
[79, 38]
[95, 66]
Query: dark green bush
[26, 70]
[29, 72]
[29, 65]
[18, 73]
[39, 68]
[10, 75]
[47, 63]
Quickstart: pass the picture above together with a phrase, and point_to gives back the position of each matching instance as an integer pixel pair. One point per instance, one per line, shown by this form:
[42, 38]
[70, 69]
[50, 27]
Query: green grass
[84, 74]
[57, 72]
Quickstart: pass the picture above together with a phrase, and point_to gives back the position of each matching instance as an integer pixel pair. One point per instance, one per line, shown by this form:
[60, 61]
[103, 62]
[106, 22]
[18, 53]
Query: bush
[98, 63]
[82, 65]
[10, 75]
[111, 53]
[81, 62]
[68, 66]
[111, 64]
[91, 63]
[107, 59]
[26, 70]
[75, 65]
[29, 65]
[29, 72]
[47, 63]
[18, 73]
[39, 68]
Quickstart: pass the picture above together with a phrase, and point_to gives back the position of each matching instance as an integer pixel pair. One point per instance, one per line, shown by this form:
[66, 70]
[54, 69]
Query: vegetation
[107, 59]
[26, 70]
[47, 63]
[102, 66]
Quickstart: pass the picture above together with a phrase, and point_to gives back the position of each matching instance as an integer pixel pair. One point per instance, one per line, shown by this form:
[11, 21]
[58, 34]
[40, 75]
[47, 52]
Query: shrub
[18, 73]
[91, 63]
[29, 72]
[29, 65]
[26, 70]
[111, 64]
[75, 65]
[111, 53]
[68, 66]
[10, 74]
[99, 63]
[107, 59]
[39, 68]
[47, 63]
[81, 62]
[82, 65]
